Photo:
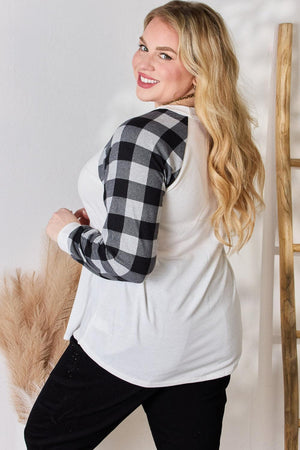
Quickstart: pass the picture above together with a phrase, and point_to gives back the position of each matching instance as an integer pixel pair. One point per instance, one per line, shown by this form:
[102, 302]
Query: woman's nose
[146, 62]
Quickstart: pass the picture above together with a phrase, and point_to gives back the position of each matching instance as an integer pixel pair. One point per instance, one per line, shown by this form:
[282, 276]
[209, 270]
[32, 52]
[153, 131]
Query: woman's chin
[144, 98]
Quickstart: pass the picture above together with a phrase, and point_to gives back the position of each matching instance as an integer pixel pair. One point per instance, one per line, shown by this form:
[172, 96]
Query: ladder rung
[295, 162]
[296, 248]
[298, 334]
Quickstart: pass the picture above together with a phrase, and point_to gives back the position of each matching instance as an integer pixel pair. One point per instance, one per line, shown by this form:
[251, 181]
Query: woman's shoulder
[160, 115]
[156, 138]
[158, 124]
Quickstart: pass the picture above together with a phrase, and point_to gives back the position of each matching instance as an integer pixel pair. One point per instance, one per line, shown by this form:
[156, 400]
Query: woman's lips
[145, 85]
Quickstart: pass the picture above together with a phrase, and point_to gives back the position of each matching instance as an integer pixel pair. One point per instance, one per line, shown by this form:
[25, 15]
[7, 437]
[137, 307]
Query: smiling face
[161, 77]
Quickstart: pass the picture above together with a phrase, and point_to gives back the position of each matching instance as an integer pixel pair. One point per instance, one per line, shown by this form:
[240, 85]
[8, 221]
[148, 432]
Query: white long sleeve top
[156, 303]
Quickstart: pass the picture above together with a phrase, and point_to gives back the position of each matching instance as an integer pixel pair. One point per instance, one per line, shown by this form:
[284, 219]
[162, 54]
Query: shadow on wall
[132, 434]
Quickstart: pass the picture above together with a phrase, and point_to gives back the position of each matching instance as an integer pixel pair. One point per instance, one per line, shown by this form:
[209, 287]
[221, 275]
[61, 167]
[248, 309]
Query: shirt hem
[142, 383]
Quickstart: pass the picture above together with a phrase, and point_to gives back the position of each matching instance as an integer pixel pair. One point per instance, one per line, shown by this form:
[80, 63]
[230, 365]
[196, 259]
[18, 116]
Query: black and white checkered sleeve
[140, 161]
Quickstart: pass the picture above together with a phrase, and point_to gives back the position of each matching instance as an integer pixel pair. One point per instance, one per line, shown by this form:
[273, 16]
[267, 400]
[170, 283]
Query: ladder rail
[285, 229]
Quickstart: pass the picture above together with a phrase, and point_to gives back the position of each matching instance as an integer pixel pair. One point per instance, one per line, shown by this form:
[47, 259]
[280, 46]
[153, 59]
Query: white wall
[65, 84]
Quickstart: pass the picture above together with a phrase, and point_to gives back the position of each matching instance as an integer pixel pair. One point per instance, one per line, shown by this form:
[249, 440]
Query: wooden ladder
[289, 334]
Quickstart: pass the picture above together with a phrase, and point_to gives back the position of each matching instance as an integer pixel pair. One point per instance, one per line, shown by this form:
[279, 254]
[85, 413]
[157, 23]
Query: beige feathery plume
[34, 310]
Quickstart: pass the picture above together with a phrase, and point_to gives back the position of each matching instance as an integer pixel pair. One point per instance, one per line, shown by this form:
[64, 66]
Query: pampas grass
[34, 310]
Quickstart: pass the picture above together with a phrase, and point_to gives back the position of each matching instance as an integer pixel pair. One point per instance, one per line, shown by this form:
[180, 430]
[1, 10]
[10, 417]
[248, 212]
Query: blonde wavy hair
[235, 167]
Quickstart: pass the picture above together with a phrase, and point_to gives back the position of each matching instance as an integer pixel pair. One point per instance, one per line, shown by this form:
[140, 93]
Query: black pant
[81, 403]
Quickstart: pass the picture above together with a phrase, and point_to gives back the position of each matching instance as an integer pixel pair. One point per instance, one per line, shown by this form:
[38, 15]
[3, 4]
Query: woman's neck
[186, 100]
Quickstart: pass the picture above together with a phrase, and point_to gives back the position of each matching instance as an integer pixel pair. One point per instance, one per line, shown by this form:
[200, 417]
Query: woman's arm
[134, 172]
[64, 216]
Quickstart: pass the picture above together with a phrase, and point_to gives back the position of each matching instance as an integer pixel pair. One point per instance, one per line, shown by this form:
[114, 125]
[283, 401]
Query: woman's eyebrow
[169, 49]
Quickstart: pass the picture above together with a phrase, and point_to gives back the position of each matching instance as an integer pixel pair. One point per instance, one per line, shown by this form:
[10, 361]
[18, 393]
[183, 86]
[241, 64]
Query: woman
[156, 319]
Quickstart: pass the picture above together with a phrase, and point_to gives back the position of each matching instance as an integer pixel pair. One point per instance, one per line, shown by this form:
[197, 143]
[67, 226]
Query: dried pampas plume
[34, 310]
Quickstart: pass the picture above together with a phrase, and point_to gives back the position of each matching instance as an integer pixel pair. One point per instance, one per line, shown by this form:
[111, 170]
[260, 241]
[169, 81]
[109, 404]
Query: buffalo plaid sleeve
[139, 162]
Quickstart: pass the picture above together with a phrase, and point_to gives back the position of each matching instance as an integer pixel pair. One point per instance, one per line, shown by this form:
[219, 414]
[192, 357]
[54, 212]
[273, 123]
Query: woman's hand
[82, 216]
[59, 219]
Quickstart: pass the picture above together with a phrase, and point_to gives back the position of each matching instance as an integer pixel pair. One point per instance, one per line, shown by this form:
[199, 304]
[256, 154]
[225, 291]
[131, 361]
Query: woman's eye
[165, 56]
[142, 47]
